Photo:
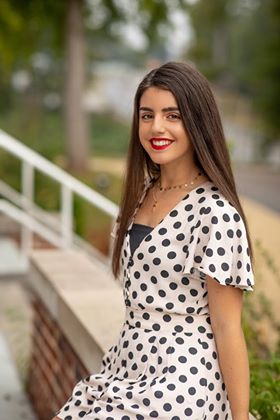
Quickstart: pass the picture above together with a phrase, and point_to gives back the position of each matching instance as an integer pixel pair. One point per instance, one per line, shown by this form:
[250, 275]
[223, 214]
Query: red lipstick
[160, 143]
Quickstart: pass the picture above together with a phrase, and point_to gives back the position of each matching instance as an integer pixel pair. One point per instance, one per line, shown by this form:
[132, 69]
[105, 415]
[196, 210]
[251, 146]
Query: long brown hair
[202, 122]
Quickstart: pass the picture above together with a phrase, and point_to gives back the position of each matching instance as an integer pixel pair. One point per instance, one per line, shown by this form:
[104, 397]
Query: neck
[170, 176]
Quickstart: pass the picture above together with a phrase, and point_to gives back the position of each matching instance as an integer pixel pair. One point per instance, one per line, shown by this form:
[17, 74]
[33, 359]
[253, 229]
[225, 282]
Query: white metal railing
[21, 206]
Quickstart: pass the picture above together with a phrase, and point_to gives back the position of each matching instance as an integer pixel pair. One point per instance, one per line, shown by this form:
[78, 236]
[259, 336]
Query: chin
[160, 160]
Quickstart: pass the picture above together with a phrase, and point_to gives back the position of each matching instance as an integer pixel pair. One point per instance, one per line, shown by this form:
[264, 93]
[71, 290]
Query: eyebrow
[168, 109]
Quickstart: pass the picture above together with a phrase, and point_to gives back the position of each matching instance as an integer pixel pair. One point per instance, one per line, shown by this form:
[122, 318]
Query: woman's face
[161, 129]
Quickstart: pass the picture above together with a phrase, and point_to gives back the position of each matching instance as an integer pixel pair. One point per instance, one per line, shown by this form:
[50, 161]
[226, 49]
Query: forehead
[154, 97]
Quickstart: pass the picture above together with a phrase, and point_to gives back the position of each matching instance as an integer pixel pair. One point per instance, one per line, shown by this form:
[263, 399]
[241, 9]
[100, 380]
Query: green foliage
[237, 43]
[256, 61]
[109, 136]
[265, 386]
[264, 359]
[210, 21]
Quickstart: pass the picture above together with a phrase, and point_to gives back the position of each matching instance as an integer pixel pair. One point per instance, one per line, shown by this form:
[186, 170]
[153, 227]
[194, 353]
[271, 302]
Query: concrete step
[12, 261]
[13, 402]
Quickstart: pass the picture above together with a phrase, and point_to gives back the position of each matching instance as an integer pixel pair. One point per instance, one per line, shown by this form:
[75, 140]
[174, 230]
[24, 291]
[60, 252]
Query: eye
[173, 117]
[146, 116]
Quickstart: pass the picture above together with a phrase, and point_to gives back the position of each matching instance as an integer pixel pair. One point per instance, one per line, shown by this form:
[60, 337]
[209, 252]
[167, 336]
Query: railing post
[66, 216]
[27, 189]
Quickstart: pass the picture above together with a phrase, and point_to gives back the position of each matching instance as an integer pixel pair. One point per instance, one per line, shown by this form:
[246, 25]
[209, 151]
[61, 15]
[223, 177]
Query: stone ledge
[82, 297]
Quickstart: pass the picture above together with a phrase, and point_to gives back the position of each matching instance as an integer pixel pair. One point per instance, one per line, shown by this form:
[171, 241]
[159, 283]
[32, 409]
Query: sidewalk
[15, 334]
[13, 403]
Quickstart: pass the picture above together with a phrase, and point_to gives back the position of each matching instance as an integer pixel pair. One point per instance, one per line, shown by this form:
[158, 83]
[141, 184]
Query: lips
[160, 143]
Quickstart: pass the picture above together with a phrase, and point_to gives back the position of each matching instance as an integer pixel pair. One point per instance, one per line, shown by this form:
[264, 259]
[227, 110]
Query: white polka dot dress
[165, 364]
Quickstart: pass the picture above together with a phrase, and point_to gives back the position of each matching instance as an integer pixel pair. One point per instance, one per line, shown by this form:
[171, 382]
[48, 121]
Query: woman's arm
[225, 306]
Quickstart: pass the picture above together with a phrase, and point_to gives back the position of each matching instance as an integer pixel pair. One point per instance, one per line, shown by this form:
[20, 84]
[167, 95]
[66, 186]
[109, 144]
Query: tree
[34, 25]
[75, 117]
[238, 42]
[256, 62]
[210, 47]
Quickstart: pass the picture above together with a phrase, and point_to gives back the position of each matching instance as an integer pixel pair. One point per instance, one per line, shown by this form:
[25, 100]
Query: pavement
[14, 404]
[260, 183]
[15, 343]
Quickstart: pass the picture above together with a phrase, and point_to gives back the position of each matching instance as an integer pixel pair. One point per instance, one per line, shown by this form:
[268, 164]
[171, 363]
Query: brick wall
[55, 367]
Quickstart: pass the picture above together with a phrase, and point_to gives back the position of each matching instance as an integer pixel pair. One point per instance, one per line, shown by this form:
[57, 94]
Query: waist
[167, 321]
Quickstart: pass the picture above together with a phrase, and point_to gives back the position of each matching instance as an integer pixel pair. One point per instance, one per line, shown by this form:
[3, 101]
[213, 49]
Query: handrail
[50, 169]
[28, 221]
[30, 216]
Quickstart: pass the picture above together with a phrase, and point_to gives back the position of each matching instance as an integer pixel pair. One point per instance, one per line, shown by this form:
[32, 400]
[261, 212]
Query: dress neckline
[147, 186]
[141, 226]
[156, 227]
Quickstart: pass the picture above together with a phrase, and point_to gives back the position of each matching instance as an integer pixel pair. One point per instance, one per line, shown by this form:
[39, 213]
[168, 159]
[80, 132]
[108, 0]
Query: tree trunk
[76, 128]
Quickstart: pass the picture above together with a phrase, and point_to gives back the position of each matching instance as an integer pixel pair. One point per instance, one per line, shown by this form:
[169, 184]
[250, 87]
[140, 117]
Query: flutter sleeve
[220, 249]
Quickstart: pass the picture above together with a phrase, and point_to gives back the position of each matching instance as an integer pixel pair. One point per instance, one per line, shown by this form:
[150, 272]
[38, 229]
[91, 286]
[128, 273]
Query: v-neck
[158, 225]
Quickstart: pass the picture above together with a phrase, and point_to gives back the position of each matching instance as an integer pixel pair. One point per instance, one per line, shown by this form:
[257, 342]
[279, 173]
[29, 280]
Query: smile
[160, 143]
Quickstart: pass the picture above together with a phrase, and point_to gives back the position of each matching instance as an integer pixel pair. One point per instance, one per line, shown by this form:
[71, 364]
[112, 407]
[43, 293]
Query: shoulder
[213, 205]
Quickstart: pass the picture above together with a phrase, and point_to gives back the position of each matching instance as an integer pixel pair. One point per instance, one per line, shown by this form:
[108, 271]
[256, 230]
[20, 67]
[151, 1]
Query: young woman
[183, 253]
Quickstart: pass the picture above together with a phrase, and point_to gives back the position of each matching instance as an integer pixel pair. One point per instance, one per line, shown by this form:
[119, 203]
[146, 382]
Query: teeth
[161, 142]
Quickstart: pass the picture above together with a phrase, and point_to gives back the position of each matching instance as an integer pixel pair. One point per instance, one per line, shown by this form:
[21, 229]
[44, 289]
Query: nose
[158, 125]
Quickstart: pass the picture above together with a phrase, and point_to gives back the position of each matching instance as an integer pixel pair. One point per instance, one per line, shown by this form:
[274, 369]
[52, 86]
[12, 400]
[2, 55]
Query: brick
[55, 367]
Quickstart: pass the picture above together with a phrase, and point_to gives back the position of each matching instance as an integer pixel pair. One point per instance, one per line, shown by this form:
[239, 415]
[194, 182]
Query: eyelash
[177, 117]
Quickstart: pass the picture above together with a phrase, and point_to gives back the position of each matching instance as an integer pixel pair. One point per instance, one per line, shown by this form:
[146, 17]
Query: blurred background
[68, 73]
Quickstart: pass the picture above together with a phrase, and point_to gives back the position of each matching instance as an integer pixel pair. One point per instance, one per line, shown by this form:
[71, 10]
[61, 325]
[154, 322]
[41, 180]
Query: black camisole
[137, 234]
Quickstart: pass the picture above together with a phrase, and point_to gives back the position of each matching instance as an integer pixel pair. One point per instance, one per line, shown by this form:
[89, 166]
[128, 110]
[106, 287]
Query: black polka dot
[164, 273]
[226, 217]
[225, 266]
[188, 207]
[236, 217]
[209, 252]
[188, 412]
[212, 268]
[158, 394]
[180, 237]
[221, 251]
[180, 399]
[200, 402]
[171, 255]
[167, 407]
[177, 225]
[230, 233]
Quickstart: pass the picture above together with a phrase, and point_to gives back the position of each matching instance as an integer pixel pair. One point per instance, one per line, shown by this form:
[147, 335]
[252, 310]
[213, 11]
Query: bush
[265, 387]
